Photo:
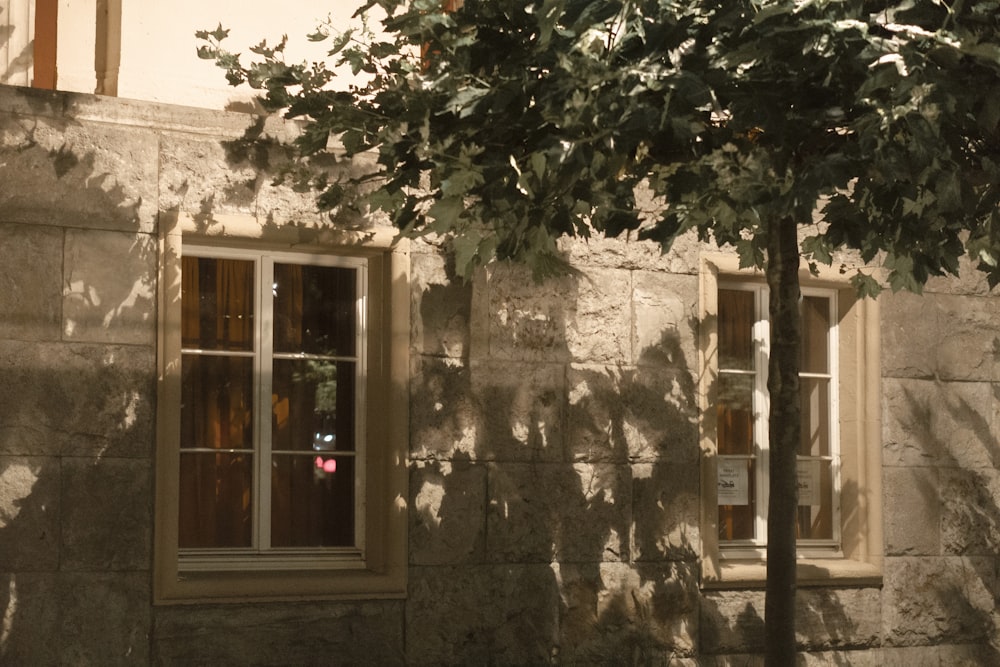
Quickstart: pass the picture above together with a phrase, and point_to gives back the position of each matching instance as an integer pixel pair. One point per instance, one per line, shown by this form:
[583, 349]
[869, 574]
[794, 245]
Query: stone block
[619, 613]
[198, 176]
[913, 516]
[937, 423]
[968, 338]
[30, 288]
[447, 513]
[949, 337]
[441, 308]
[909, 334]
[110, 292]
[642, 414]
[104, 618]
[666, 511]
[665, 316]
[970, 511]
[446, 419]
[542, 512]
[585, 318]
[522, 410]
[499, 615]
[733, 621]
[280, 633]
[930, 601]
[85, 400]
[57, 171]
[32, 632]
[106, 514]
[945, 655]
[29, 513]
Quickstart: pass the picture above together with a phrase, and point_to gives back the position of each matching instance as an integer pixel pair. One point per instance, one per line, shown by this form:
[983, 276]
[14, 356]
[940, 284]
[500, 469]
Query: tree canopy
[786, 129]
[504, 125]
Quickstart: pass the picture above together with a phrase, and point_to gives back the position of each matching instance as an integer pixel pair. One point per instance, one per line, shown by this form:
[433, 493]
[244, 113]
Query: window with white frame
[281, 466]
[839, 459]
[272, 420]
[742, 423]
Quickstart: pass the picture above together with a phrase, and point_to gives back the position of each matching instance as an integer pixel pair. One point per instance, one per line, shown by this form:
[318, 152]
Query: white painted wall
[158, 46]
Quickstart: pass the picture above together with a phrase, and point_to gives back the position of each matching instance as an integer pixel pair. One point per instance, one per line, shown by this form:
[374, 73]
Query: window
[742, 409]
[837, 529]
[281, 454]
[272, 372]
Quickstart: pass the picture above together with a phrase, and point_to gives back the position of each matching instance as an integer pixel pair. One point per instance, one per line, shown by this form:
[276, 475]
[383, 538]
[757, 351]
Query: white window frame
[858, 561]
[262, 556]
[376, 567]
[761, 341]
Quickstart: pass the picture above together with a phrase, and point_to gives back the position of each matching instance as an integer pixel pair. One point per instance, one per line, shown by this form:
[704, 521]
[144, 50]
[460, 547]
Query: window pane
[312, 501]
[736, 318]
[217, 304]
[314, 309]
[815, 394]
[815, 521]
[815, 326]
[312, 405]
[735, 414]
[215, 500]
[738, 521]
[216, 402]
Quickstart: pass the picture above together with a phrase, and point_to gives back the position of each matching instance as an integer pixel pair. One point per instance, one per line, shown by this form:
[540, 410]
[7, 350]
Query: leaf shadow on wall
[553, 502]
[76, 403]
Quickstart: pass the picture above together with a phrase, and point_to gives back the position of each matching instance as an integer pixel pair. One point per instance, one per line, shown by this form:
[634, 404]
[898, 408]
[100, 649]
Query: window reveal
[272, 359]
[741, 413]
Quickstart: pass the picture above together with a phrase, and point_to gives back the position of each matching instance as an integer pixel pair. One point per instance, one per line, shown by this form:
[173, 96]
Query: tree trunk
[784, 427]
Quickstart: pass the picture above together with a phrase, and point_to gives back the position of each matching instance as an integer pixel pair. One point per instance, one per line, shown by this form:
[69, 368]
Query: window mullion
[262, 469]
[762, 340]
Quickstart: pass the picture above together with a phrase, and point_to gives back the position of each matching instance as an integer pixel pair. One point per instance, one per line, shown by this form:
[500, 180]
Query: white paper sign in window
[733, 482]
[809, 482]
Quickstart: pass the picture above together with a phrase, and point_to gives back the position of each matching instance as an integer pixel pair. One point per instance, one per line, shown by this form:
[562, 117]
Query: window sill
[751, 574]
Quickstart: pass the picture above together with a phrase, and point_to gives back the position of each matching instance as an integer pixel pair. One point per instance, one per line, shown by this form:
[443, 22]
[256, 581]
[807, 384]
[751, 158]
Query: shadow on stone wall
[941, 575]
[77, 369]
[554, 503]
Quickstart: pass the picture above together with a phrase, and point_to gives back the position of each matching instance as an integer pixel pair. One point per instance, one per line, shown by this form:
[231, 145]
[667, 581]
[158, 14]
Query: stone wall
[554, 493]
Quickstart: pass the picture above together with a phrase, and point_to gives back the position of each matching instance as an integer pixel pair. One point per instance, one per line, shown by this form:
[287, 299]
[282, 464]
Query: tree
[787, 129]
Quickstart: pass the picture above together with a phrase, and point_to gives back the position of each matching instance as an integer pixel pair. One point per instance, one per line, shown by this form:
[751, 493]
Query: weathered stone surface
[970, 511]
[917, 529]
[293, 633]
[950, 337]
[666, 509]
[642, 414]
[110, 292]
[87, 400]
[937, 423]
[29, 513]
[57, 171]
[30, 272]
[617, 613]
[104, 619]
[197, 176]
[523, 407]
[447, 513]
[665, 316]
[732, 621]
[441, 308]
[32, 632]
[546, 511]
[445, 418]
[909, 333]
[585, 318]
[938, 600]
[508, 615]
[945, 655]
[106, 517]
